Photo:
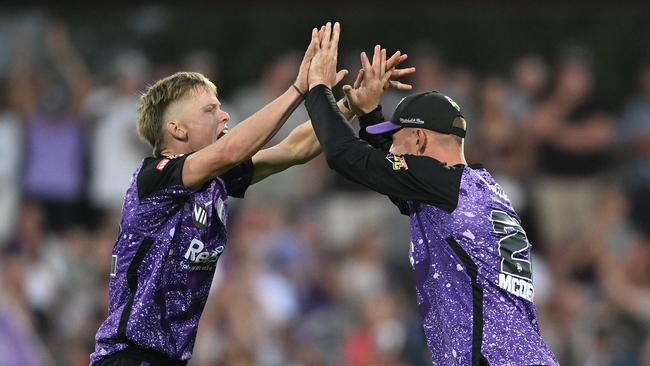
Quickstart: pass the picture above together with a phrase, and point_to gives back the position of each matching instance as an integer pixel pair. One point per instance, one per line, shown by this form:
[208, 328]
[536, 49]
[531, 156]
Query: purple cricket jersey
[473, 279]
[164, 258]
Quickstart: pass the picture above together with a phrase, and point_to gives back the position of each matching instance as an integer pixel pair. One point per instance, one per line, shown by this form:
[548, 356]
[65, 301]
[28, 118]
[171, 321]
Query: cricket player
[470, 254]
[174, 218]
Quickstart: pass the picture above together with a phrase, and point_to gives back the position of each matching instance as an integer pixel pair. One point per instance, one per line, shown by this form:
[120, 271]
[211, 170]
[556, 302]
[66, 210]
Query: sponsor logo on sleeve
[397, 161]
[161, 164]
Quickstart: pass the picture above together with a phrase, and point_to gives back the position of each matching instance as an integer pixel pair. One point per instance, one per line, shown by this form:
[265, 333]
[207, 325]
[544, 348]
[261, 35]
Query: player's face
[405, 141]
[204, 120]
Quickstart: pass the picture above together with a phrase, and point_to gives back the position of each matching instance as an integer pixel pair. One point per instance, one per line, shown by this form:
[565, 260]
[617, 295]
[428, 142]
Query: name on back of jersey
[517, 286]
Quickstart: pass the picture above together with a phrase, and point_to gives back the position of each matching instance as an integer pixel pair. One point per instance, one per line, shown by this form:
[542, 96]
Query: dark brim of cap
[382, 127]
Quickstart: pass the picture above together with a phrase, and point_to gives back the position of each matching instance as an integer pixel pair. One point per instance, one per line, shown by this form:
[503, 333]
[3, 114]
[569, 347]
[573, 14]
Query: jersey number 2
[514, 243]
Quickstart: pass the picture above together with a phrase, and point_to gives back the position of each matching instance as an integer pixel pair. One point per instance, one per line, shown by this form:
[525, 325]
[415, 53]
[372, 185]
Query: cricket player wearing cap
[471, 257]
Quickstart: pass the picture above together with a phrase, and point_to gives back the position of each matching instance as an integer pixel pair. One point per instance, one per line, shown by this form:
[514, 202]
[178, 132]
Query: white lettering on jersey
[517, 286]
[197, 256]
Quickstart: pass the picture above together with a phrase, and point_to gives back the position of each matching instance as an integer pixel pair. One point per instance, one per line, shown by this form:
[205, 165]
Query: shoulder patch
[161, 164]
[397, 161]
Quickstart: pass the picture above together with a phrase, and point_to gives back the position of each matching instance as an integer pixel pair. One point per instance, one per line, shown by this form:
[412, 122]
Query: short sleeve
[159, 173]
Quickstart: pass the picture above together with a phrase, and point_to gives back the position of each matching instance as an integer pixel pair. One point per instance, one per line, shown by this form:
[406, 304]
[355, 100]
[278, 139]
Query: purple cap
[382, 127]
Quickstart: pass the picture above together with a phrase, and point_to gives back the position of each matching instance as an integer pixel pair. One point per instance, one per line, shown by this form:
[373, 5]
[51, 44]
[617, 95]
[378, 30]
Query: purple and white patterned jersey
[164, 259]
[473, 279]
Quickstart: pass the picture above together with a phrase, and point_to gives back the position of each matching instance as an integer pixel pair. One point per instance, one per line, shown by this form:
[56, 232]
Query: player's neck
[175, 150]
[450, 158]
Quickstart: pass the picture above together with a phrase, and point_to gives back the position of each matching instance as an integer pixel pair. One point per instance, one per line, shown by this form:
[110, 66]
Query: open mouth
[223, 133]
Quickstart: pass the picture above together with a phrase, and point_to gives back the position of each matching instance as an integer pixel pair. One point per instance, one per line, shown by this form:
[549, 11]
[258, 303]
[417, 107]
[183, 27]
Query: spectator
[573, 130]
[50, 103]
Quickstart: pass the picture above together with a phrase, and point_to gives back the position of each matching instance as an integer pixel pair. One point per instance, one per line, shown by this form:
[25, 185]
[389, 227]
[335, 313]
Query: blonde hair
[155, 100]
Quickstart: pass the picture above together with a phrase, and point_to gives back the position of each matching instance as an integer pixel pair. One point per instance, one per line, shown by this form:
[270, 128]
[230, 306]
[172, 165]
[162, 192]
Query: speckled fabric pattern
[186, 234]
[483, 228]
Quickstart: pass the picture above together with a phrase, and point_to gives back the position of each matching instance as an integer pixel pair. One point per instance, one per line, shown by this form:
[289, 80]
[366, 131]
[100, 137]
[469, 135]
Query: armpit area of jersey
[239, 178]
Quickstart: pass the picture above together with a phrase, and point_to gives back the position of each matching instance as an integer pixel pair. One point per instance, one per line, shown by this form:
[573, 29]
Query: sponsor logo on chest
[201, 259]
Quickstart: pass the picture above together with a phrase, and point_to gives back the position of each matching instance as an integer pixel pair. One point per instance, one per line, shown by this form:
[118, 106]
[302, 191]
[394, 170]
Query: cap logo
[416, 121]
[453, 104]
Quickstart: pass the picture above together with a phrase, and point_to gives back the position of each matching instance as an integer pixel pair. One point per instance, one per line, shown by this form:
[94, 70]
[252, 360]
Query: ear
[421, 142]
[175, 130]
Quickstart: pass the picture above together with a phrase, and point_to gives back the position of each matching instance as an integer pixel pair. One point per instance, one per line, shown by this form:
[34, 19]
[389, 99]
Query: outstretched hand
[322, 69]
[373, 78]
[301, 80]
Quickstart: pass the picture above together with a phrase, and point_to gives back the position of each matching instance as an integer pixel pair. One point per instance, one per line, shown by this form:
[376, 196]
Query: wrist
[299, 91]
[344, 107]
[316, 83]
[372, 117]
[366, 109]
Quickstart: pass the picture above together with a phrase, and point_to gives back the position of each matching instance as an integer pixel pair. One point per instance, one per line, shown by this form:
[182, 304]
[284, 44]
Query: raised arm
[245, 139]
[299, 147]
[302, 145]
[406, 177]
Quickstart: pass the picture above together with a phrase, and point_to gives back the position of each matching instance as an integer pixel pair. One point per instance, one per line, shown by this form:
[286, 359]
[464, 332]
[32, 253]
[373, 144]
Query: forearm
[328, 122]
[241, 143]
[73, 68]
[302, 141]
[299, 147]
[255, 131]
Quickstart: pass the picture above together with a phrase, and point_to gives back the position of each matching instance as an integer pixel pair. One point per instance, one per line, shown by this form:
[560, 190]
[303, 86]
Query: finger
[321, 32]
[399, 86]
[335, 35]
[311, 49]
[365, 63]
[393, 60]
[402, 58]
[340, 75]
[386, 76]
[348, 91]
[398, 73]
[357, 82]
[325, 42]
[375, 60]
[382, 62]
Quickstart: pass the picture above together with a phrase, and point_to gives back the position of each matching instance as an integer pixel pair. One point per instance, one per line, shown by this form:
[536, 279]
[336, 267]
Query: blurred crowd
[317, 270]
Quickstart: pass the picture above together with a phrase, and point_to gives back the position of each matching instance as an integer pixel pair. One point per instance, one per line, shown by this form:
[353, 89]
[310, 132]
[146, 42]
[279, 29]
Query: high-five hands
[320, 61]
[322, 69]
[301, 83]
[374, 78]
